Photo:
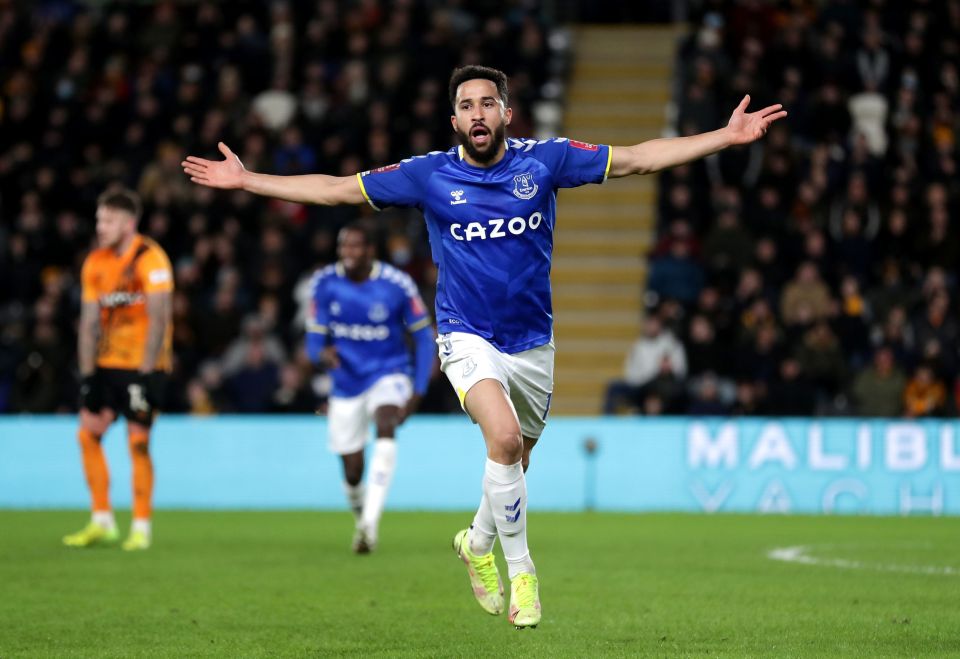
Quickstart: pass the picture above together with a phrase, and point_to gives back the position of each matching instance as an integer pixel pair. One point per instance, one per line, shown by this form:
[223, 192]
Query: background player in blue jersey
[490, 209]
[361, 310]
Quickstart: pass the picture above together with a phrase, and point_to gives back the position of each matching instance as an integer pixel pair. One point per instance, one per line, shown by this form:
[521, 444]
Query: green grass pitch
[284, 584]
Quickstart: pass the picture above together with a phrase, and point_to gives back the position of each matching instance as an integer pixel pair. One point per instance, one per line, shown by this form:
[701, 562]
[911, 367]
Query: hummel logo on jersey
[469, 366]
[495, 228]
[457, 197]
[524, 186]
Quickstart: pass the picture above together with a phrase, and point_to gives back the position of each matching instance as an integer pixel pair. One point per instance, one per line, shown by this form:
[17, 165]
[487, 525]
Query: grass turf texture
[285, 584]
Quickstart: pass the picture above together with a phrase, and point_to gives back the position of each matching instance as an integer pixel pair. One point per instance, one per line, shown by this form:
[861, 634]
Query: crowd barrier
[847, 466]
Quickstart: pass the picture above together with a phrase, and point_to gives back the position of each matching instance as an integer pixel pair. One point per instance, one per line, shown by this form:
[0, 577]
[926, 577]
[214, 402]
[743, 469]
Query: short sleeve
[399, 184]
[88, 281]
[155, 272]
[415, 315]
[318, 317]
[573, 163]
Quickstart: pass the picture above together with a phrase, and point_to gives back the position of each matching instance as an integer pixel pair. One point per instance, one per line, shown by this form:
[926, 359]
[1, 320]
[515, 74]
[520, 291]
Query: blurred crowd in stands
[98, 93]
[815, 271]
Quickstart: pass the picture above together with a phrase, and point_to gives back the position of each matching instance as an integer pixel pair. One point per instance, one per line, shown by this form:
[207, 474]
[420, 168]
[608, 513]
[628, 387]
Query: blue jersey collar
[474, 168]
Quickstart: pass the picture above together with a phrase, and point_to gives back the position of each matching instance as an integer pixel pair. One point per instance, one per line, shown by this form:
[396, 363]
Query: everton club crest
[378, 312]
[524, 186]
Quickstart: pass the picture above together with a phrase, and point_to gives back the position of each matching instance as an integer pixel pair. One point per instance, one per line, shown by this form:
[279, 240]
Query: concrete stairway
[618, 95]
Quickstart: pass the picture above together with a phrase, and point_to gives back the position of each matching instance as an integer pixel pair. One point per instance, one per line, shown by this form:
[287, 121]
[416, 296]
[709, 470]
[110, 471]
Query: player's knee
[140, 448]
[505, 445]
[93, 424]
[387, 420]
[387, 428]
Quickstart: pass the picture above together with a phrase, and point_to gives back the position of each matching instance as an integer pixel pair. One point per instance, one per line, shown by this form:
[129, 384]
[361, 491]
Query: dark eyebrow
[482, 98]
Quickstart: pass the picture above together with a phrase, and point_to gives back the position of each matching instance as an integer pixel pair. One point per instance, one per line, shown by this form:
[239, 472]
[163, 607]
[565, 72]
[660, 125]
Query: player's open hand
[330, 358]
[745, 127]
[225, 174]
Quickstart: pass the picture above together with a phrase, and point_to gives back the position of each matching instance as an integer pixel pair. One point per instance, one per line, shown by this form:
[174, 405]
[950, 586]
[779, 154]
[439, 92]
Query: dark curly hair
[473, 72]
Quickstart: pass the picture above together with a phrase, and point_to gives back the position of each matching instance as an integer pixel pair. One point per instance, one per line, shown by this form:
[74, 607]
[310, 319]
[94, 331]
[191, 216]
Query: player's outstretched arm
[230, 174]
[652, 156]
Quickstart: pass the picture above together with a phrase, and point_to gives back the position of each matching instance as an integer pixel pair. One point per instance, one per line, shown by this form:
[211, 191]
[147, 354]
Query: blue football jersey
[491, 231]
[367, 321]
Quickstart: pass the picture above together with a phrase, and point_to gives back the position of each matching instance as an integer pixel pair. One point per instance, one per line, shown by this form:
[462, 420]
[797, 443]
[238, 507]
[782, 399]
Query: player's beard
[498, 135]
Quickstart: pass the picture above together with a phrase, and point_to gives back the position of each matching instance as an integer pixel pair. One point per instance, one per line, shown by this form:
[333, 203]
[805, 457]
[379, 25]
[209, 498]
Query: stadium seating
[810, 251]
[91, 95]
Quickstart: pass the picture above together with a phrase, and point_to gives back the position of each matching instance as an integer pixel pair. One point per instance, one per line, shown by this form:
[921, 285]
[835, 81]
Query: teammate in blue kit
[361, 310]
[489, 205]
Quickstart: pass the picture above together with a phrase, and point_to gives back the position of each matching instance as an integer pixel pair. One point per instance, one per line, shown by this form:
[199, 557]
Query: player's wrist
[727, 137]
[246, 180]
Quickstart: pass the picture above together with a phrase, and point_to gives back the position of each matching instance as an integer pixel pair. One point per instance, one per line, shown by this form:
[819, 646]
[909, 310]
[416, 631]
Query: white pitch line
[801, 554]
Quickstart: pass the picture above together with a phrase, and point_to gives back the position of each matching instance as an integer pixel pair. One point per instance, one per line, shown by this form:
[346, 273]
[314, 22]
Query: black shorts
[123, 394]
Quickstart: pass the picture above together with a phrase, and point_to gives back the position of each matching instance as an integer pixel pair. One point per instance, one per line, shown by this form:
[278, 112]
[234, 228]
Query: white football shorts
[349, 419]
[526, 376]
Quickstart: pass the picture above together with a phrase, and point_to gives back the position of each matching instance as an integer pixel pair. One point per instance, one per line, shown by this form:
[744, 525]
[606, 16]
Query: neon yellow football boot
[91, 535]
[136, 541]
[524, 601]
[484, 576]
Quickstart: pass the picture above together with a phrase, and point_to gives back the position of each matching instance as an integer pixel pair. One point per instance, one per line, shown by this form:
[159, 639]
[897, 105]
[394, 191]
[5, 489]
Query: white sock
[382, 464]
[354, 498]
[506, 490]
[483, 531]
[141, 526]
[104, 519]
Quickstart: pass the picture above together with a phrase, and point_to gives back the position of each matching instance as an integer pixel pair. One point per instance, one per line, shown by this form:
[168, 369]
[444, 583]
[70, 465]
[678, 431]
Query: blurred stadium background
[811, 275]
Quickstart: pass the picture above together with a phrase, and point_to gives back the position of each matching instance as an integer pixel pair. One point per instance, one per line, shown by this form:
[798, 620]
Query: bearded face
[482, 144]
[480, 121]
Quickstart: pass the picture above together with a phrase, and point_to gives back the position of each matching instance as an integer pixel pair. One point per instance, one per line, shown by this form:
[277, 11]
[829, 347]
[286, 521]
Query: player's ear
[453, 121]
[507, 116]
